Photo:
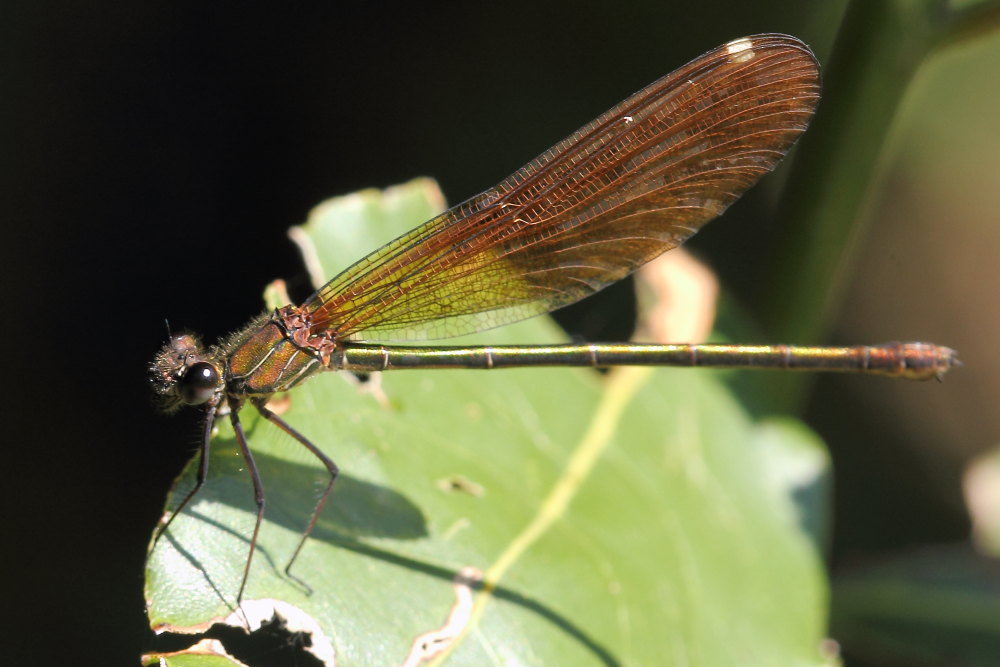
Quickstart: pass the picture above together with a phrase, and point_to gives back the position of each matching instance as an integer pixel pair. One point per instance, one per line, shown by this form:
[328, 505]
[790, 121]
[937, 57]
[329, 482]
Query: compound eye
[199, 383]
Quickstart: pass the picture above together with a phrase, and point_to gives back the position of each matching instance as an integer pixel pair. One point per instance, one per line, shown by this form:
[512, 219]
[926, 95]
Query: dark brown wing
[620, 191]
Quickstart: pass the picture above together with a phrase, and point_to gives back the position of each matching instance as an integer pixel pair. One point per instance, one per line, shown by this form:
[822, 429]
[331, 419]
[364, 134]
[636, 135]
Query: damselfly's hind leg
[327, 462]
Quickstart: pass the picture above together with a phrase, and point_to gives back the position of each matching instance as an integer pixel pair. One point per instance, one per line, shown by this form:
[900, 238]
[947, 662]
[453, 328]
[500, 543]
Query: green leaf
[636, 517]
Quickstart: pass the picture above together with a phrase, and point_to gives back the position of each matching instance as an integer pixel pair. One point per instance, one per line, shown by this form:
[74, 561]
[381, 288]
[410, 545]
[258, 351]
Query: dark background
[154, 154]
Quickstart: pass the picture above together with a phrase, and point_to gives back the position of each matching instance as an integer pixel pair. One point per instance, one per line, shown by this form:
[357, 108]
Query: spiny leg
[258, 493]
[199, 479]
[331, 468]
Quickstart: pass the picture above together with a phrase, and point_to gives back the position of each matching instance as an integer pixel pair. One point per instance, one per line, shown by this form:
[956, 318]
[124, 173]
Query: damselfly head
[183, 373]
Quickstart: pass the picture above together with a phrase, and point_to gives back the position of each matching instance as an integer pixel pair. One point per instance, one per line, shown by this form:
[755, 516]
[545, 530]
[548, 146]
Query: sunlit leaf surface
[638, 517]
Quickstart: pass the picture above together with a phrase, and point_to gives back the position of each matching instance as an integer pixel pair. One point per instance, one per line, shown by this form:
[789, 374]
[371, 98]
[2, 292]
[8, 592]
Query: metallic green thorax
[263, 359]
